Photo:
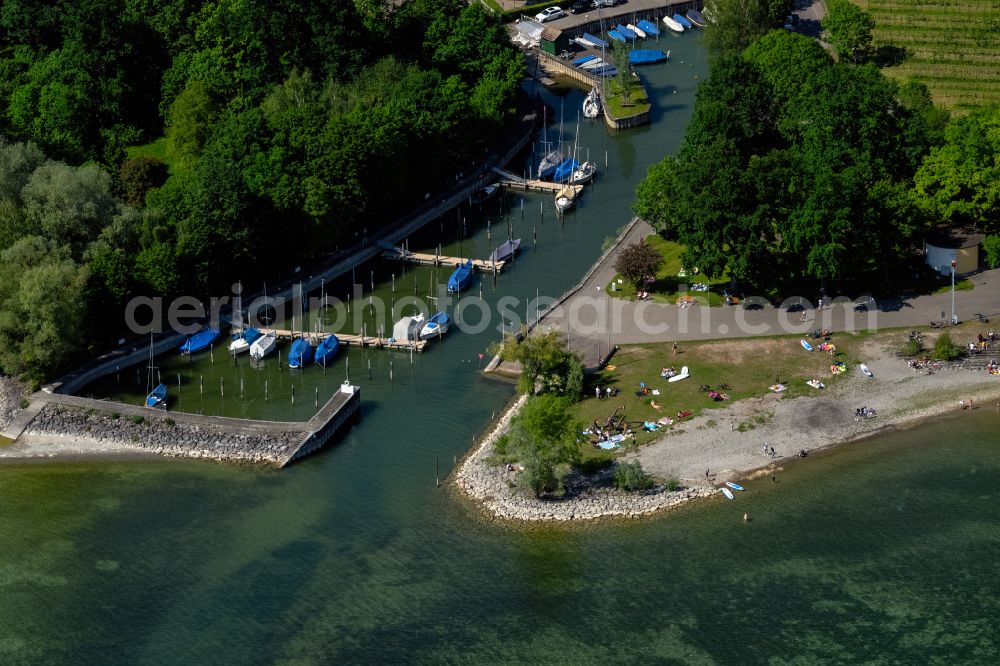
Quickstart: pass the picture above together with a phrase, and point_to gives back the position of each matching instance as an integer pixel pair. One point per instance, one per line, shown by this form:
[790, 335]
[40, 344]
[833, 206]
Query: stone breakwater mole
[163, 436]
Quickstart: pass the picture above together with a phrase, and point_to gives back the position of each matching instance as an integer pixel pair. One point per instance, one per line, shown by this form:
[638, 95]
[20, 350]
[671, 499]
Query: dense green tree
[189, 124]
[137, 176]
[41, 307]
[807, 185]
[543, 437]
[848, 28]
[547, 364]
[959, 181]
[69, 205]
[739, 22]
[787, 61]
[17, 162]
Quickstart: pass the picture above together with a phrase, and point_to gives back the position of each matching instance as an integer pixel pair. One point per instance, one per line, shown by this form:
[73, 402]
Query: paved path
[22, 420]
[593, 322]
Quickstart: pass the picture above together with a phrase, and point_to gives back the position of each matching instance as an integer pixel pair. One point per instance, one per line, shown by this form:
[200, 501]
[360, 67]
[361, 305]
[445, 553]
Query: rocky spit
[11, 394]
[589, 498]
[162, 437]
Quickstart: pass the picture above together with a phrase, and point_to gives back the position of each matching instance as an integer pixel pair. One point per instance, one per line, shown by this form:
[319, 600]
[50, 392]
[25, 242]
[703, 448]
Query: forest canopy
[796, 170]
[164, 146]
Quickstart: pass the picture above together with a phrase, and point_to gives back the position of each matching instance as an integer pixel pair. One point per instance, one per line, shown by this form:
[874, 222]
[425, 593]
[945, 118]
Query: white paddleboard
[727, 492]
[734, 486]
[864, 369]
[806, 345]
[683, 375]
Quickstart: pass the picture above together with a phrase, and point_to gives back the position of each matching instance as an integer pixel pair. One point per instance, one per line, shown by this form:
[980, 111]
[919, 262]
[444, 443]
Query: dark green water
[882, 552]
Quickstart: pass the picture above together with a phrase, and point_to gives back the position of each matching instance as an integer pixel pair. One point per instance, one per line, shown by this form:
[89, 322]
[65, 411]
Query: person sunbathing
[655, 405]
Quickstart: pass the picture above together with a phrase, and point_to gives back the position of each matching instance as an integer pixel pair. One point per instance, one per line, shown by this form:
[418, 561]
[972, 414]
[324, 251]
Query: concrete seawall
[178, 434]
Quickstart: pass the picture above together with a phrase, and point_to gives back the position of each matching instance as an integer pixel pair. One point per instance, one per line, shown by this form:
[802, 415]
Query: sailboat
[552, 159]
[460, 277]
[592, 105]
[203, 339]
[158, 396]
[243, 336]
[584, 173]
[505, 251]
[565, 170]
[266, 343]
[327, 350]
[301, 352]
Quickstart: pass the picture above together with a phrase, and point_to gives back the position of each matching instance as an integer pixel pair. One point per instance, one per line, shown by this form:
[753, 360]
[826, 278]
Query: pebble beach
[901, 397]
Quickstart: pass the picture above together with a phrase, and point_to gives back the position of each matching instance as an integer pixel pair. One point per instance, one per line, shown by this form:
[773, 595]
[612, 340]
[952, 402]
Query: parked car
[580, 6]
[607, 3]
[550, 14]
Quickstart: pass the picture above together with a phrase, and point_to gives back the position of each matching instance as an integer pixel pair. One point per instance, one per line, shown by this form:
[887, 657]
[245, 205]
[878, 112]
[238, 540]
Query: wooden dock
[510, 180]
[424, 259]
[349, 339]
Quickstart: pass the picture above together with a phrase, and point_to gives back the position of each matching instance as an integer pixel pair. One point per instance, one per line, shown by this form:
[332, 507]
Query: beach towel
[607, 445]
[777, 388]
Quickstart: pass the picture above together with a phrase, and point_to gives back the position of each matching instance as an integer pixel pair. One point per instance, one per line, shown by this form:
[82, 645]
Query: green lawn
[666, 287]
[748, 366]
[157, 149]
[615, 104]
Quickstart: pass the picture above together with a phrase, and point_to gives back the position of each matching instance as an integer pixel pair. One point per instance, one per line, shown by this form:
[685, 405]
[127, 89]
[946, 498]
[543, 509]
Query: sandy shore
[901, 396]
[37, 446]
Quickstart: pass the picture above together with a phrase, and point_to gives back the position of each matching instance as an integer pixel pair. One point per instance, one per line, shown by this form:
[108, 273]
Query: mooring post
[265, 390]
[437, 473]
[347, 365]
[222, 386]
[390, 371]
[317, 397]
[293, 394]
[241, 388]
[201, 384]
[211, 355]
[369, 369]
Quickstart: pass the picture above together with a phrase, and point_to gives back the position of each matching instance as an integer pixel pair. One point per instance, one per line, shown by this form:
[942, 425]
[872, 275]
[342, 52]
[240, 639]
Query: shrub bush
[913, 348]
[630, 477]
[137, 419]
[673, 483]
[945, 349]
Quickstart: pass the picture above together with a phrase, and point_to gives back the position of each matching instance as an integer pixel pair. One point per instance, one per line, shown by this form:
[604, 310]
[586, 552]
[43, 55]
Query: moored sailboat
[327, 350]
[460, 277]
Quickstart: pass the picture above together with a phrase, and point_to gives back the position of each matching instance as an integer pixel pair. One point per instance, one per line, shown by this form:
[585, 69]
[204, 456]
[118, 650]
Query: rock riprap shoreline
[491, 487]
[11, 394]
[60, 429]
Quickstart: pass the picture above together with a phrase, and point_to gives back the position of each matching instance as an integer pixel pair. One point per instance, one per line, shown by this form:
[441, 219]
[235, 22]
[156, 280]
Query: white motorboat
[672, 24]
[436, 326]
[640, 33]
[263, 345]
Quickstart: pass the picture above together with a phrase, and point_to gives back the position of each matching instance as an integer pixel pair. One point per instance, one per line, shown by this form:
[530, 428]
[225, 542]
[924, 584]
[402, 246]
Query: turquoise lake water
[881, 552]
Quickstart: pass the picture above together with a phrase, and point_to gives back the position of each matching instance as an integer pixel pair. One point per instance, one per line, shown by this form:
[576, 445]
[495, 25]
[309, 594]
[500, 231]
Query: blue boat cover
[565, 170]
[327, 350]
[580, 61]
[646, 56]
[460, 278]
[615, 35]
[596, 41]
[300, 354]
[200, 340]
[683, 20]
[648, 28]
[626, 32]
